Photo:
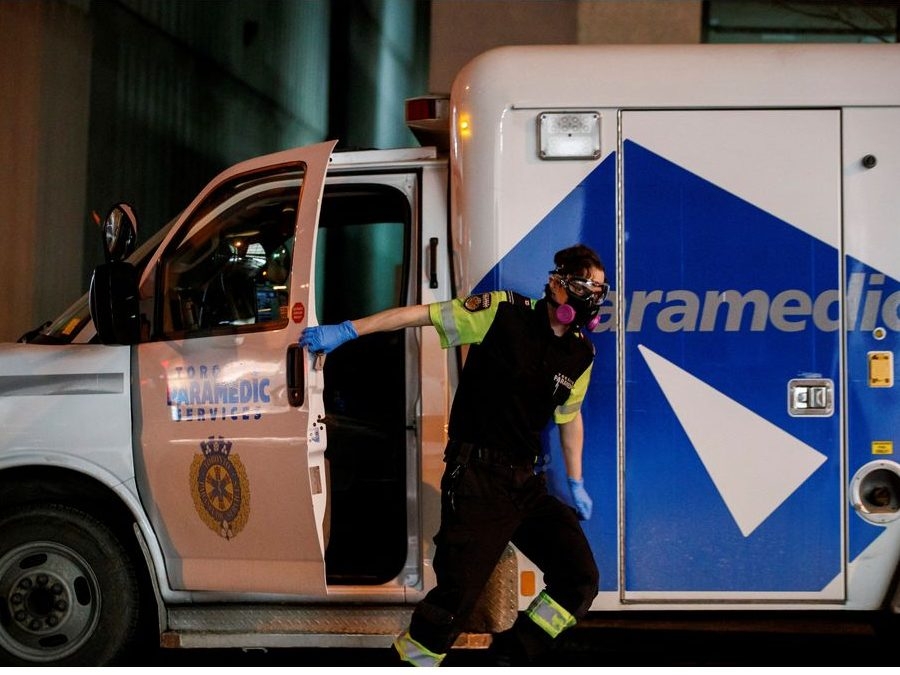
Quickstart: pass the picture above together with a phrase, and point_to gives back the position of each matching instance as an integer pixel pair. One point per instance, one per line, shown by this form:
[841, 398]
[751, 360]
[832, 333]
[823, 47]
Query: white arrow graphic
[754, 464]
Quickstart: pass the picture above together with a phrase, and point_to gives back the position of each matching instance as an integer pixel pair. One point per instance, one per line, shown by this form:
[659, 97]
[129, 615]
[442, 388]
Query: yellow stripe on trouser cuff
[416, 653]
[549, 615]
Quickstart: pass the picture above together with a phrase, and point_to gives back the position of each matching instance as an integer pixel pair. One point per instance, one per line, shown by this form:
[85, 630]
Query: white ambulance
[173, 464]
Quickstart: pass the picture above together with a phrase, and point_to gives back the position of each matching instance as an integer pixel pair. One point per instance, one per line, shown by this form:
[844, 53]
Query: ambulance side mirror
[114, 286]
[119, 232]
[114, 303]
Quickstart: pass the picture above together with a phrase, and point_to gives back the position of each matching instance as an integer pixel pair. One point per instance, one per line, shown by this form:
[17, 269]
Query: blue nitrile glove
[326, 338]
[582, 499]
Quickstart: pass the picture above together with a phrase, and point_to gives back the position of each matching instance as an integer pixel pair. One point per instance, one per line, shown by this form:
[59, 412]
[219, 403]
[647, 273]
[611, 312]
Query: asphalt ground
[660, 640]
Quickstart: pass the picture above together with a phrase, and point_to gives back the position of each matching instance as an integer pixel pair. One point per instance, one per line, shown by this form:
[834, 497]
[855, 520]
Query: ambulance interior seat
[230, 296]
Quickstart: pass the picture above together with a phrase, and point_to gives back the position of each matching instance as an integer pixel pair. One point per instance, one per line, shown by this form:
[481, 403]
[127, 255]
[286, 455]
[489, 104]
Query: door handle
[433, 246]
[296, 380]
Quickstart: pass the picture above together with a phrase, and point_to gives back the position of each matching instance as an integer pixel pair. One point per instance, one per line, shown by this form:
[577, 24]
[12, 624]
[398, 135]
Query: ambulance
[174, 466]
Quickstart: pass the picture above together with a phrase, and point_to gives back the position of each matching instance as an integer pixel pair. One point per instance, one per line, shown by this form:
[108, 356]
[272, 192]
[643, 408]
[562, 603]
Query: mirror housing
[114, 305]
[119, 232]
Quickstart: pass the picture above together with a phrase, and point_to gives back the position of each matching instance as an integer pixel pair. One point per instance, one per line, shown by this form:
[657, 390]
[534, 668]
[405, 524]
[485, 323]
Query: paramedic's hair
[577, 260]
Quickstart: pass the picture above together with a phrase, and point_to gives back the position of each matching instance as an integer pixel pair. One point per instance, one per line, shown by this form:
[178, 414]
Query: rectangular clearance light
[569, 135]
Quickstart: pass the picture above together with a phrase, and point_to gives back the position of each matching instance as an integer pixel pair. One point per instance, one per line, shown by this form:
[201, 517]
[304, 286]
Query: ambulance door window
[362, 267]
[230, 272]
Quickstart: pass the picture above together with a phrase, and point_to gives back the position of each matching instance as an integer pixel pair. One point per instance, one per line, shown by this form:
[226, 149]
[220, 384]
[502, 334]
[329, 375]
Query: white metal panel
[870, 226]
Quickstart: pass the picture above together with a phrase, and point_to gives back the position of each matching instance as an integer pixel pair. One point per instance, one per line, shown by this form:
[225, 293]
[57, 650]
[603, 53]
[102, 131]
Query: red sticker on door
[298, 311]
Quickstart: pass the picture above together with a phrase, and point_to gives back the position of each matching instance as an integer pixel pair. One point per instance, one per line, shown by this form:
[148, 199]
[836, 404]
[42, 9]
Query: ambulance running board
[279, 626]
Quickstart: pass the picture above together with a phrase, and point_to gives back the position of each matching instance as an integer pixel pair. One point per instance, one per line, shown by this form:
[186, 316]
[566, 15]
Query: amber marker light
[527, 585]
[464, 126]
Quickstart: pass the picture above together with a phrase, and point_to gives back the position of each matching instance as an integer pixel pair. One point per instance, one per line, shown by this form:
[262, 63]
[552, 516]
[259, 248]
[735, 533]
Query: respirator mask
[583, 299]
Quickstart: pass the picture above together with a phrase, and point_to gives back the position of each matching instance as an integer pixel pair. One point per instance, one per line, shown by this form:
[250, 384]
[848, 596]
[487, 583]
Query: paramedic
[530, 361]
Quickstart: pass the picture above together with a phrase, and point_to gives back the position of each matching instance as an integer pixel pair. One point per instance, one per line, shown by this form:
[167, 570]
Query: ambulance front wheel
[68, 589]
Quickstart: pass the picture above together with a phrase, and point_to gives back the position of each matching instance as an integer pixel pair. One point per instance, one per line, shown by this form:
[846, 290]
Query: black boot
[505, 650]
[521, 645]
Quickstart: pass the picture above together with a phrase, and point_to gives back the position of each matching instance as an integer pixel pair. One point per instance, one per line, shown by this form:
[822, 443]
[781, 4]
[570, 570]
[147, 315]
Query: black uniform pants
[484, 506]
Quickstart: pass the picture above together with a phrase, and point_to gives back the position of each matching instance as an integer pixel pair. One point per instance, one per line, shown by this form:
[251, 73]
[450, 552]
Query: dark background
[145, 101]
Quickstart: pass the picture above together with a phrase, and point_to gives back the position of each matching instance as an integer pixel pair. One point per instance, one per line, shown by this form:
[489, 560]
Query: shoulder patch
[477, 302]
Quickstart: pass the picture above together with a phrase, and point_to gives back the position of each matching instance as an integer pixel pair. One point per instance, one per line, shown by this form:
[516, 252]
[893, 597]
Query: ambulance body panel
[735, 212]
[741, 420]
[92, 382]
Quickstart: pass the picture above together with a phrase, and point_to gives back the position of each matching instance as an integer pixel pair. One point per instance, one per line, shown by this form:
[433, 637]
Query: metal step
[252, 626]
[282, 626]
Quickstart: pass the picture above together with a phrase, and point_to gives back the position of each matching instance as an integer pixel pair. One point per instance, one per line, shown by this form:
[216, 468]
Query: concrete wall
[462, 29]
[45, 80]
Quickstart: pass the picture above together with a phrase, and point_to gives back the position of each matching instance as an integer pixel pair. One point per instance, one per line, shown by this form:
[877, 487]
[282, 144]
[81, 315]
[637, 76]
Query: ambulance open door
[227, 408]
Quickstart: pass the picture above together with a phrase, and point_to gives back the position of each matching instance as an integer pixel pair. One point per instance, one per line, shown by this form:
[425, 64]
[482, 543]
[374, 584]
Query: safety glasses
[583, 287]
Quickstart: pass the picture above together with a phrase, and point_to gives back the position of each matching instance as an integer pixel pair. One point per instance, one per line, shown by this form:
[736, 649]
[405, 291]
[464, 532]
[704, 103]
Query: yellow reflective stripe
[472, 326]
[549, 615]
[457, 325]
[441, 315]
[415, 652]
[567, 411]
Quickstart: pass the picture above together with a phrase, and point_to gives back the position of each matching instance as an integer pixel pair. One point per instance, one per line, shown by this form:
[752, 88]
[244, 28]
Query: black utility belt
[463, 453]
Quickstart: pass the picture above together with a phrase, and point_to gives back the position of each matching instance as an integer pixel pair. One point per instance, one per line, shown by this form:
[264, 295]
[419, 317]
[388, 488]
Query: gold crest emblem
[220, 488]
[477, 302]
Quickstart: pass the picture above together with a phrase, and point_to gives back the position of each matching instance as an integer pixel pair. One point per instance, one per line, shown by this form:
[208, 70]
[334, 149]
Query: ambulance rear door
[227, 407]
[732, 358]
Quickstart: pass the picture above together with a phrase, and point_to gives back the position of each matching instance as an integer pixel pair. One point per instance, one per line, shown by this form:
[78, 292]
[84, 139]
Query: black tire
[68, 589]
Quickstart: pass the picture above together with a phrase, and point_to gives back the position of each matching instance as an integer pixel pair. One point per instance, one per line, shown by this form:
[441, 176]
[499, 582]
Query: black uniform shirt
[516, 377]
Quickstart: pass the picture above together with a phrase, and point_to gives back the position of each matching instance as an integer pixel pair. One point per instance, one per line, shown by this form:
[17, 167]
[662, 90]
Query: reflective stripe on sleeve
[465, 321]
[441, 315]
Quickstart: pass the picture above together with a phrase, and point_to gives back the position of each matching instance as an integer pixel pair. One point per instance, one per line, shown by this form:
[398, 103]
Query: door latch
[811, 397]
